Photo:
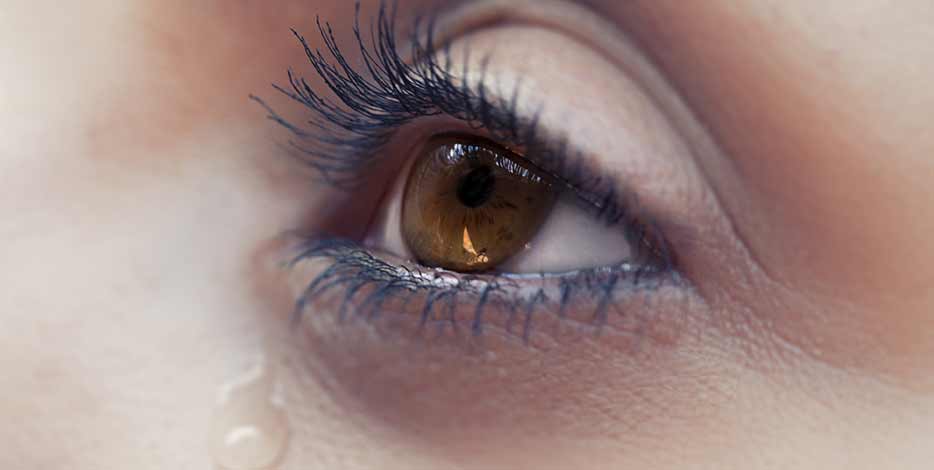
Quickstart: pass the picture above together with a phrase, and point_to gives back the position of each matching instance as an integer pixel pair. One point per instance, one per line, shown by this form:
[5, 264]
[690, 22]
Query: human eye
[465, 201]
[510, 232]
[472, 205]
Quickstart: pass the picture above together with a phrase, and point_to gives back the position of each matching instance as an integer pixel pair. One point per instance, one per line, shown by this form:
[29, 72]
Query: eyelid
[343, 159]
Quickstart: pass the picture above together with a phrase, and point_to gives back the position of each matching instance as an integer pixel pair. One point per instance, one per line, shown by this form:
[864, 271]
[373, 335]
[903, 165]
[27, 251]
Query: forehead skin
[118, 117]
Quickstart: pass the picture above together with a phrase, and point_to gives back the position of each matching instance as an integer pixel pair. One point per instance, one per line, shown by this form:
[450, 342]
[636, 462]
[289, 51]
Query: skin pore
[143, 204]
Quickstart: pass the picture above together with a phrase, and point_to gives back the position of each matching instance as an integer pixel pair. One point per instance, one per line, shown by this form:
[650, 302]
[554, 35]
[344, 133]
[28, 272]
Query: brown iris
[470, 205]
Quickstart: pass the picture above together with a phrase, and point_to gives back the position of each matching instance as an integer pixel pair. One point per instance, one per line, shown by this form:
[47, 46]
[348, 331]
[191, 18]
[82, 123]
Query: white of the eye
[570, 239]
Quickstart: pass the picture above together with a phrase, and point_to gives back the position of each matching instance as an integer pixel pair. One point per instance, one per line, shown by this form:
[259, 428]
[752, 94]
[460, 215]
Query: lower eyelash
[365, 284]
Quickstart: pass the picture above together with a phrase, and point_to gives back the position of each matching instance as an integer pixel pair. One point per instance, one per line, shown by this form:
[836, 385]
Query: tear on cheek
[250, 429]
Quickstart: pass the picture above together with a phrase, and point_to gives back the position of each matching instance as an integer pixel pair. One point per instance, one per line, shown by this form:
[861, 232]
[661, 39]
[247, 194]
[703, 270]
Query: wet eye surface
[469, 205]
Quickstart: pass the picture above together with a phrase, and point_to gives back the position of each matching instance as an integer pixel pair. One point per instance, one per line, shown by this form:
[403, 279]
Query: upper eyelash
[342, 138]
[345, 136]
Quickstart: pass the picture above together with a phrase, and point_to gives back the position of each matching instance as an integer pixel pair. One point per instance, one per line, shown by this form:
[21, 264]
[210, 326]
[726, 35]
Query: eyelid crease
[569, 17]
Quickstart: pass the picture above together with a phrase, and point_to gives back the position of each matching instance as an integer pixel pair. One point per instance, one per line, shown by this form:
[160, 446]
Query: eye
[465, 203]
[470, 205]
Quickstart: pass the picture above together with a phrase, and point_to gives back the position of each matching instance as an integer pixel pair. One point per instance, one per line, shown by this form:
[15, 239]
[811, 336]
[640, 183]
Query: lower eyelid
[354, 286]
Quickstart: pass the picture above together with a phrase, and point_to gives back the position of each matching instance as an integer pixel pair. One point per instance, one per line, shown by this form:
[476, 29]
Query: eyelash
[354, 269]
[343, 140]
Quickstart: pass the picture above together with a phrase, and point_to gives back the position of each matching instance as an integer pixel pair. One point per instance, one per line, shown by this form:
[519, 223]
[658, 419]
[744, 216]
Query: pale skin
[142, 211]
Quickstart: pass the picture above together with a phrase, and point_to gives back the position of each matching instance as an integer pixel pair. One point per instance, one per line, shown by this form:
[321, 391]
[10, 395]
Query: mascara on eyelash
[367, 286]
[343, 137]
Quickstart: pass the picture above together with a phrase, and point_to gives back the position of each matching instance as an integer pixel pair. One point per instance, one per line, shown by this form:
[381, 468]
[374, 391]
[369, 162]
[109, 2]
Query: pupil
[476, 187]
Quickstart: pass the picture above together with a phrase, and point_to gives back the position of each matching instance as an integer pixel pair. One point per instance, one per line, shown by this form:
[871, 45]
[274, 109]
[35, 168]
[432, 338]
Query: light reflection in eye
[470, 206]
[479, 258]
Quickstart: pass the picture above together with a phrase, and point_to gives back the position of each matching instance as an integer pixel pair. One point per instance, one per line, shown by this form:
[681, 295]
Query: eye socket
[470, 205]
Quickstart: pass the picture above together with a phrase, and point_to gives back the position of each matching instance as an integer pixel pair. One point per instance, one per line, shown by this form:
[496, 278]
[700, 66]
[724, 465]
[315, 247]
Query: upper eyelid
[369, 122]
[391, 92]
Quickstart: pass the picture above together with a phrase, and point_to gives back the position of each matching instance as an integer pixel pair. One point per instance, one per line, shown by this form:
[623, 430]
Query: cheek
[129, 304]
